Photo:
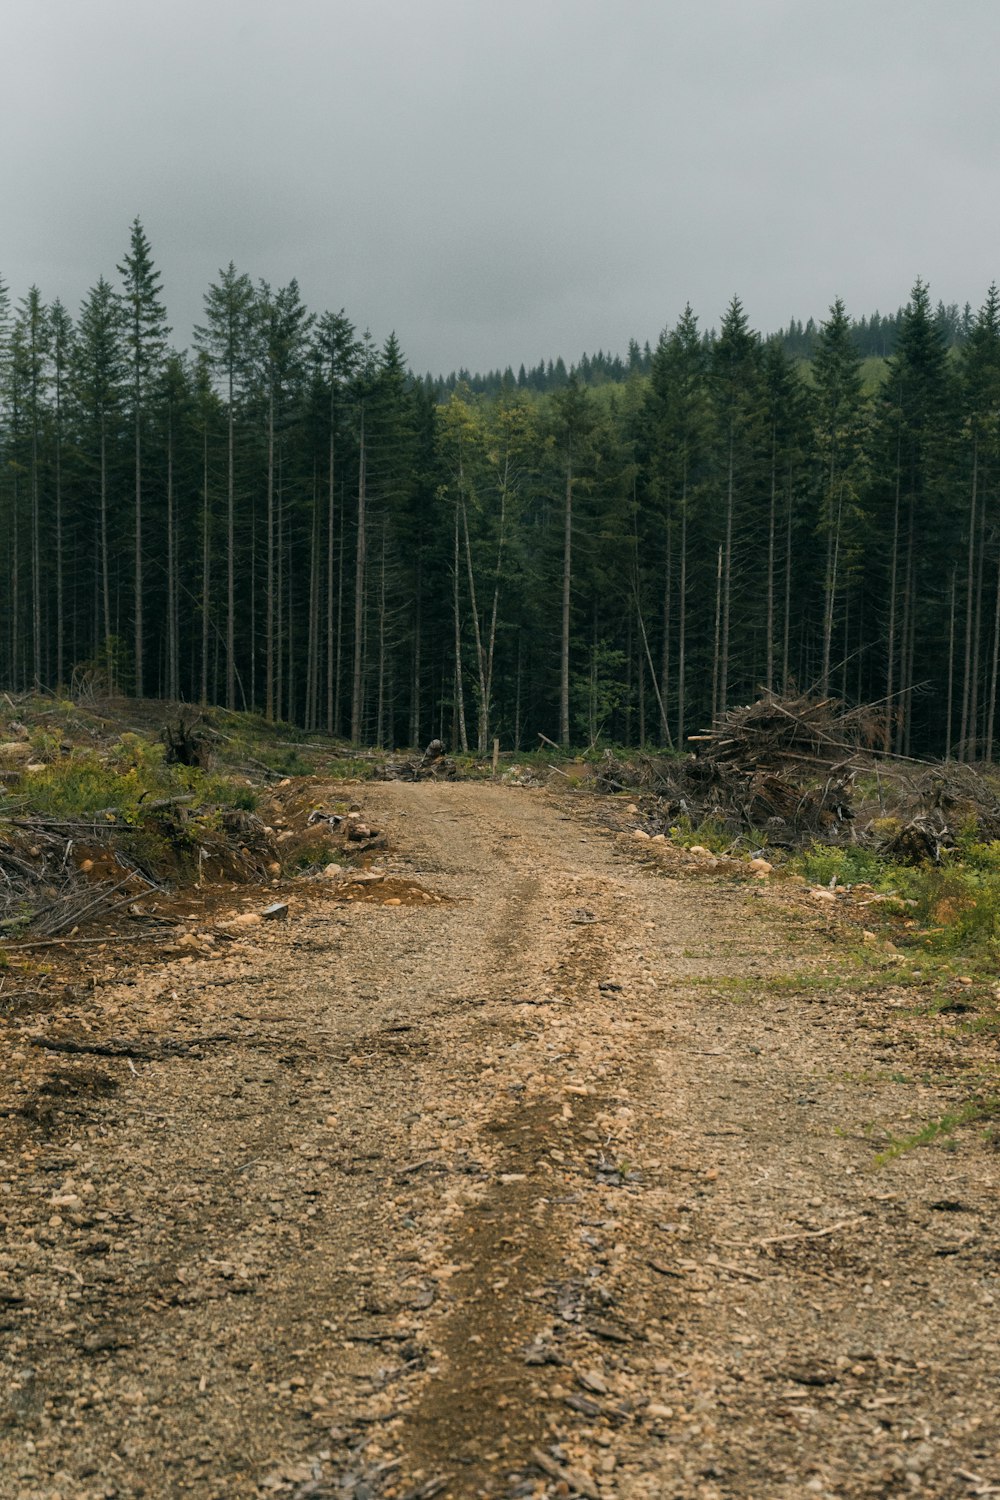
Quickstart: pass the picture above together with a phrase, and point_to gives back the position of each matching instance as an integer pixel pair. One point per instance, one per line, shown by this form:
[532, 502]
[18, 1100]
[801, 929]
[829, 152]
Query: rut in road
[558, 1184]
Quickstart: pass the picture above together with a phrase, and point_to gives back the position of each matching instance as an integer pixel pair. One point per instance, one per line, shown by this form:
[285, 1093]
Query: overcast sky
[507, 180]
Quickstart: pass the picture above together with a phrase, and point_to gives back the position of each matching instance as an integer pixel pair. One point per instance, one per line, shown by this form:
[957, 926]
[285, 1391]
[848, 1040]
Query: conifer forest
[284, 518]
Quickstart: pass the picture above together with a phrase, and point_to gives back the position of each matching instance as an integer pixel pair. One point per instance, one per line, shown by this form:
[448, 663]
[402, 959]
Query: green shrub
[850, 864]
[710, 834]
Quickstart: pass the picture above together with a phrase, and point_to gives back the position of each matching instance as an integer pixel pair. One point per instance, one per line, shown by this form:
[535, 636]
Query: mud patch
[390, 891]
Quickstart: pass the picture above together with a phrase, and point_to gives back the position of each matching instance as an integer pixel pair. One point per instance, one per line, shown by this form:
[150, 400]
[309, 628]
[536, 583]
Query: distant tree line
[284, 519]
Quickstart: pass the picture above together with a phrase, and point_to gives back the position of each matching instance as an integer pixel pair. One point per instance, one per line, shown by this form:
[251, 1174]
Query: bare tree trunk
[173, 665]
[518, 729]
[483, 707]
[269, 662]
[231, 555]
[36, 551]
[105, 561]
[682, 620]
[380, 702]
[786, 638]
[969, 593]
[905, 683]
[205, 569]
[830, 579]
[718, 627]
[974, 734]
[641, 691]
[771, 528]
[567, 587]
[667, 620]
[60, 581]
[279, 590]
[951, 667]
[359, 594]
[459, 685]
[313, 620]
[331, 581]
[893, 576]
[338, 669]
[414, 735]
[727, 578]
[139, 640]
[994, 664]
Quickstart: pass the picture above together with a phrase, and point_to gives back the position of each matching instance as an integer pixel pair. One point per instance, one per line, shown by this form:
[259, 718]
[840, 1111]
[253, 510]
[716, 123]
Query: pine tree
[98, 378]
[839, 409]
[145, 337]
[337, 351]
[735, 378]
[227, 340]
[62, 344]
[980, 376]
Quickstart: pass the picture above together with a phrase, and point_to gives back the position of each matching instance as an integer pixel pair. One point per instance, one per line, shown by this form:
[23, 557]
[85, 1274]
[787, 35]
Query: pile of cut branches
[776, 734]
[798, 769]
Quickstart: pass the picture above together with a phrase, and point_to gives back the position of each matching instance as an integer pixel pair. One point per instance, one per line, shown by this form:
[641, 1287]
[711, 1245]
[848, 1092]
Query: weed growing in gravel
[971, 1113]
[708, 835]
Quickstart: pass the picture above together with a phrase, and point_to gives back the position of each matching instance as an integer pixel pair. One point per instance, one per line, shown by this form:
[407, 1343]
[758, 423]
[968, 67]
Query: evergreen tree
[839, 411]
[226, 338]
[98, 380]
[145, 337]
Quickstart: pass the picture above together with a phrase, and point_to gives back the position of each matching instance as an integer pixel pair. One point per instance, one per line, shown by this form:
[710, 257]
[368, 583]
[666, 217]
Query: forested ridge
[284, 518]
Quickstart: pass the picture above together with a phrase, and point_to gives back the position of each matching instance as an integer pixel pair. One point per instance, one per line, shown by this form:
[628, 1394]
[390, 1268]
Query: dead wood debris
[801, 769]
[433, 765]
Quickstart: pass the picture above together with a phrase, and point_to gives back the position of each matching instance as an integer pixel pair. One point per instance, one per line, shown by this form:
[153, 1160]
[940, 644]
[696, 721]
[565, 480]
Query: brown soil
[565, 1183]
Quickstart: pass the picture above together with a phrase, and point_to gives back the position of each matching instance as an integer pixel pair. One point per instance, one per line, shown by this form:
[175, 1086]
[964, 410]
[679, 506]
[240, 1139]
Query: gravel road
[530, 1169]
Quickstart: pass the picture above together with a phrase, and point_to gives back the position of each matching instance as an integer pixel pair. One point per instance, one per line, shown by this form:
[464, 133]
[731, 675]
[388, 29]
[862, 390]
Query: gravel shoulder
[535, 1168]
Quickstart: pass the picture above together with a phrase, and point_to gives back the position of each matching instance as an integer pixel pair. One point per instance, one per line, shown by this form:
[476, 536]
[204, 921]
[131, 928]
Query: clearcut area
[537, 1167]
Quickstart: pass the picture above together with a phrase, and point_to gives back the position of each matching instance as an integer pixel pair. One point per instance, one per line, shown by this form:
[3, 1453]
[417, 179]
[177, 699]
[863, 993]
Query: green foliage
[976, 1110]
[850, 864]
[708, 834]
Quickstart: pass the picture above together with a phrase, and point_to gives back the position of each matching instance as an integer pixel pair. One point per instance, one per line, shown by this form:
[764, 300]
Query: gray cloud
[500, 183]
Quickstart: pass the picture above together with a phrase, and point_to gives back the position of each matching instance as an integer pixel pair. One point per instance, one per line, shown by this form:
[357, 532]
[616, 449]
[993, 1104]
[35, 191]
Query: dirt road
[528, 1170]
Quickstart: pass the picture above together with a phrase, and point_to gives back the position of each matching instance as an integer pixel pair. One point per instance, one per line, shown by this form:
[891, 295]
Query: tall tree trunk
[173, 665]
[36, 551]
[727, 578]
[772, 517]
[970, 588]
[359, 594]
[830, 578]
[893, 578]
[139, 640]
[269, 604]
[206, 568]
[682, 619]
[331, 583]
[380, 697]
[994, 664]
[717, 635]
[231, 554]
[60, 578]
[786, 634]
[668, 579]
[566, 593]
[456, 609]
[951, 667]
[313, 617]
[483, 713]
[338, 669]
[105, 563]
[414, 735]
[977, 625]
